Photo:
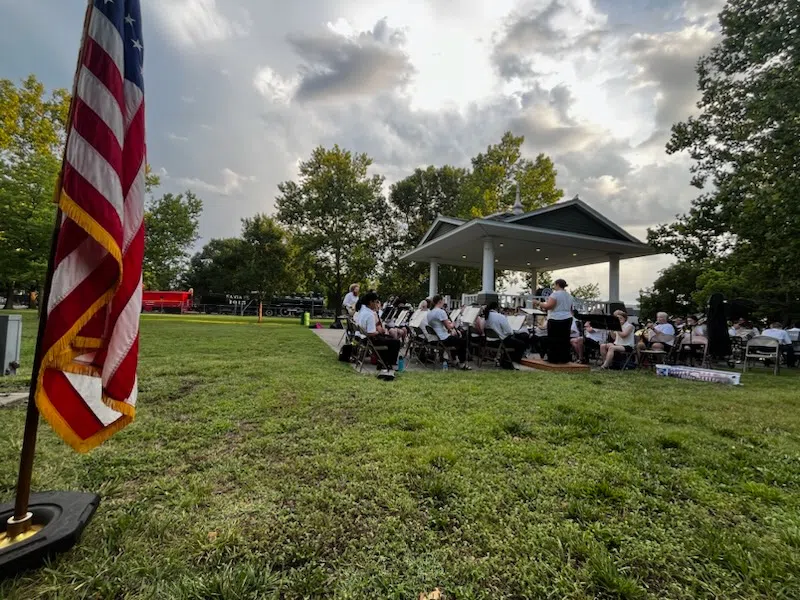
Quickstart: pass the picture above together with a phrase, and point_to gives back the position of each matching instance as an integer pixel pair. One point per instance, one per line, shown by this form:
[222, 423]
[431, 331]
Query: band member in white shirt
[351, 299]
[368, 320]
[576, 339]
[777, 332]
[447, 332]
[623, 340]
[499, 323]
[661, 334]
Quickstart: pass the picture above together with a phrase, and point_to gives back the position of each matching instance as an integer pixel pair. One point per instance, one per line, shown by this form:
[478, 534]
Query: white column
[488, 265]
[613, 277]
[433, 282]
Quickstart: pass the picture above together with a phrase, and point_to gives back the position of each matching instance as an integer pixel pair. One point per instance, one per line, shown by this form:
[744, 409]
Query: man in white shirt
[446, 331]
[351, 299]
[662, 335]
[498, 322]
[777, 332]
[367, 319]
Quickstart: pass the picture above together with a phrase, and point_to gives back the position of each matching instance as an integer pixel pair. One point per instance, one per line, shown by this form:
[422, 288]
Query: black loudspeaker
[485, 298]
[615, 306]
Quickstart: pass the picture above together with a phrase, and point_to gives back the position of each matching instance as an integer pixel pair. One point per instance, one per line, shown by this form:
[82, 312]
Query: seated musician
[397, 333]
[351, 299]
[659, 335]
[623, 340]
[367, 319]
[499, 323]
[447, 332]
[575, 337]
[525, 335]
[594, 337]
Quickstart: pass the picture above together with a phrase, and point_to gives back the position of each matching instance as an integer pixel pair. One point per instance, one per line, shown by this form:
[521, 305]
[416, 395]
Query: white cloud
[232, 182]
[195, 23]
[594, 85]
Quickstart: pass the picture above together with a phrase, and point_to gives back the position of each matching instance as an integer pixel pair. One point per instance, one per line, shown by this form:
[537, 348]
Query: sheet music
[418, 318]
[401, 318]
[516, 322]
[455, 314]
[469, 314]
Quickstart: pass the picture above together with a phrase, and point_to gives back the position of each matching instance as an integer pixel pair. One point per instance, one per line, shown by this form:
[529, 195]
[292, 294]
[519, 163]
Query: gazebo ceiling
[521, 243]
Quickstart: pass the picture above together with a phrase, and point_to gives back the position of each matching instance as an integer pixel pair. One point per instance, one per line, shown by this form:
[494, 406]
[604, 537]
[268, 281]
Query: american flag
[86, 387]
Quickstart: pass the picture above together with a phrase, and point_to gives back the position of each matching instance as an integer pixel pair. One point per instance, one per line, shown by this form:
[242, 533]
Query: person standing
[559, 321]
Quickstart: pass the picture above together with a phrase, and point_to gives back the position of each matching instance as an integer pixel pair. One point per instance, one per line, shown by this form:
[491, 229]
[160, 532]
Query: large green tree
[265, 257]
[746, 146]
[27, 216]
[492, 185]
[32, 131]
[215, 269]
[171, 228]
[415, 203]
[336, 211]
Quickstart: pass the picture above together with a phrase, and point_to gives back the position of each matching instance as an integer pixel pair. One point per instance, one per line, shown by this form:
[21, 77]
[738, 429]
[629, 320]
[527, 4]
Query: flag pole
[21, 523]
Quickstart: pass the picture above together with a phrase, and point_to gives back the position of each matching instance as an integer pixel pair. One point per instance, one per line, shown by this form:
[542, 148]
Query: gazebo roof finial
[518, 209]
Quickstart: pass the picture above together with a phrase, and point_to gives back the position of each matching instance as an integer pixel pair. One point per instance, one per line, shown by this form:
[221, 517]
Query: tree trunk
[9, 297]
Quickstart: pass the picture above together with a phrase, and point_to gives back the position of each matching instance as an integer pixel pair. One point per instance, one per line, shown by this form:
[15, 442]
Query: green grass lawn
[260, 467]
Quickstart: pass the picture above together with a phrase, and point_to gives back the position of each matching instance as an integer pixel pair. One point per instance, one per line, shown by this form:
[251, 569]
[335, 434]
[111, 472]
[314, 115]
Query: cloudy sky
[238, 91]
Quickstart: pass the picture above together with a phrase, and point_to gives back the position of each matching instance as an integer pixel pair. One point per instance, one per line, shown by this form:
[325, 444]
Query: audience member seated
[623, 340]
[367, 319]
[447, 332]
[659, 335]
[351, 299]
[576, 339]
[499, 323]
[777, 332]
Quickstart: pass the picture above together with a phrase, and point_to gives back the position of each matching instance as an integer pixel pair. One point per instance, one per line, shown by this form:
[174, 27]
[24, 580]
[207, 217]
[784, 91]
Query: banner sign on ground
[697, 374]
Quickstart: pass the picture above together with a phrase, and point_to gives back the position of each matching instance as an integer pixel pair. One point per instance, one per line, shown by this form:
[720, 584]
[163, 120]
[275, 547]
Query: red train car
[167, 302]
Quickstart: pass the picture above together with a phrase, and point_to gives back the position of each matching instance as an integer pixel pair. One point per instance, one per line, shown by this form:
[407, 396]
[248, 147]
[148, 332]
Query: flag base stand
[58, 521]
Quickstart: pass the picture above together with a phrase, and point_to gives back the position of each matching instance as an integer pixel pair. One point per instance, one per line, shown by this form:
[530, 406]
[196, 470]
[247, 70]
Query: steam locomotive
[280, 306]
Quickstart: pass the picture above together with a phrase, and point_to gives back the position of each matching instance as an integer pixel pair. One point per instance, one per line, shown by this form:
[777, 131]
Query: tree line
[333, 224]
[741, 236]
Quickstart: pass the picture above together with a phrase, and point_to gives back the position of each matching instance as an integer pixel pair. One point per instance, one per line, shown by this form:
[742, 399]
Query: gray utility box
[10, 342]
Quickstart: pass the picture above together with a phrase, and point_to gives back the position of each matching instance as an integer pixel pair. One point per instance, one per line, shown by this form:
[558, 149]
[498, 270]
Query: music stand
[608, 322]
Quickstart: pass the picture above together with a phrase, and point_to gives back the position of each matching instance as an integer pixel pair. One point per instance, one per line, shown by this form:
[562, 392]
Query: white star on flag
[138, 45]
[130, 20]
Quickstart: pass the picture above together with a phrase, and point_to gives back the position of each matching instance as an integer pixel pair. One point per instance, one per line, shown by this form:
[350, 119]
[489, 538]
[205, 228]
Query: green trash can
[307, 319]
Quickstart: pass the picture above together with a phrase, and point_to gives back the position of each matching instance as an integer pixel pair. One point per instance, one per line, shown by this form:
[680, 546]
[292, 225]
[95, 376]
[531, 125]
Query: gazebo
[566, 234]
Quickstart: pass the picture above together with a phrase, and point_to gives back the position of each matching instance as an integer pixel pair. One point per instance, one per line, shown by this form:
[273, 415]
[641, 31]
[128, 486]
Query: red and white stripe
[87, 382]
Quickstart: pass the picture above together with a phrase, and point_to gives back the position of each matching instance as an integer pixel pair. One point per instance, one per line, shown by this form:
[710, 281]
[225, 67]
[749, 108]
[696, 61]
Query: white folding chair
[762, 347]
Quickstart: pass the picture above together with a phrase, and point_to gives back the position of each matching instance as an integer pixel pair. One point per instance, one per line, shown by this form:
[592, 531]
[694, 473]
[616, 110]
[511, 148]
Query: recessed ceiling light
[529, 264]
[501, 245]
[546, 258]
[463, 256]
[538, 249]
[496, 260]
[574, 254]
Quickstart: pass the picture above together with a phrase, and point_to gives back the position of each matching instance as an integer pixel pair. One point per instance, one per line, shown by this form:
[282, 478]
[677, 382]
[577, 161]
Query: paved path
[11, 397]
